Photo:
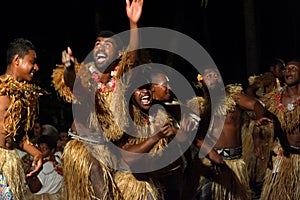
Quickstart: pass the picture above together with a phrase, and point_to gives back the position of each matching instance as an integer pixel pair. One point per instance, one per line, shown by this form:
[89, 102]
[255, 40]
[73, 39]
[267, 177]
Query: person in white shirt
[47, 183]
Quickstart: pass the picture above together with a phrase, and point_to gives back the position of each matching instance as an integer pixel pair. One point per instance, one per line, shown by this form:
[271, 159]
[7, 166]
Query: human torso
[230, 136]
[293, 137]
[226, 125]
[18, 109]
[4, 104]
[287, 111]
[50, 177]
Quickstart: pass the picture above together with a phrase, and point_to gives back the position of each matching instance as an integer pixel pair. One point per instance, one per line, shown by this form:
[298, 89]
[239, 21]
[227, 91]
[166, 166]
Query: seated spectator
[47, 183]
[62, 140]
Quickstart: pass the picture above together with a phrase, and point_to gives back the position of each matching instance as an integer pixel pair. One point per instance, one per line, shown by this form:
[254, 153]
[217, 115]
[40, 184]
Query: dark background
[220, 28]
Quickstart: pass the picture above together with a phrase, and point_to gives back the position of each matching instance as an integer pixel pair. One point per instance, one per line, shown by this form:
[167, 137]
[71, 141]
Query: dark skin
[229, 133]
[231, 136]
[21, 69]
[96, 172]
[291, 75]
[277, 70]
[105, 52]
[268, 79]
[160, 87]
[269, 83]
[107, 47]
[167, 129]
[96, 176]
[33, 182]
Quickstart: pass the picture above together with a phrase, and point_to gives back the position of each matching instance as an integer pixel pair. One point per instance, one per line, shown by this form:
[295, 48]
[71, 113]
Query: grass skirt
[11, 168]
[77, 164]
[285, 184]
[134, 189]
[31, 196]
[256, 167]
[233, 183]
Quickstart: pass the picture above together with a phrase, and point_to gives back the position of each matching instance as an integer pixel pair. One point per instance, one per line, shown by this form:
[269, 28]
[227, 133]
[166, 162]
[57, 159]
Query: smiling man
[18, 110]
[285, 104]
[94, 80]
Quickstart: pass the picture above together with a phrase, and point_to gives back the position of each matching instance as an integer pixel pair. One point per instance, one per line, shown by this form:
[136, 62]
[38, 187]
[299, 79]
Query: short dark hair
[111, 34]
[19, 46]
[47, 139]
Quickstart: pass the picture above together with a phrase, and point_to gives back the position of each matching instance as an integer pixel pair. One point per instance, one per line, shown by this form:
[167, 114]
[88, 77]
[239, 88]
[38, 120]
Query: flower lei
[290, 106]
[23, 96]
[111, 84]
[288, 115]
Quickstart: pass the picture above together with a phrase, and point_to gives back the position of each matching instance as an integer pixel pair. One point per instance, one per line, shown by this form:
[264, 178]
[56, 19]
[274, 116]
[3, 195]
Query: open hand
[134, 10]
[67, 58]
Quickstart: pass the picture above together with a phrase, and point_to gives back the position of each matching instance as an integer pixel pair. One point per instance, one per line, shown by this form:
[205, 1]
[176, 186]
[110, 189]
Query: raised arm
[69, 62]
[251, 103]
[134, 12]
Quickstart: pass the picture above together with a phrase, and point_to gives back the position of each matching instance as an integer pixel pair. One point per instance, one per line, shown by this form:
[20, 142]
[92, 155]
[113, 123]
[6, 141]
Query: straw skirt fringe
[11, 167]
[255, 166]
[285, 184]
[233, 183]
[133, 189]
[31, 196]
[76, 167]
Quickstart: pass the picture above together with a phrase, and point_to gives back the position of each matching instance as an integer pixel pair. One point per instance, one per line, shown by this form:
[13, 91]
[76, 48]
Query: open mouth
[288, 77]
[145, 99]
[101, 57]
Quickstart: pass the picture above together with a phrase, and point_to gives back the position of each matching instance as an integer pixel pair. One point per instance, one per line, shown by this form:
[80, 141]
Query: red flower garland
[111, 83]
[290, 106]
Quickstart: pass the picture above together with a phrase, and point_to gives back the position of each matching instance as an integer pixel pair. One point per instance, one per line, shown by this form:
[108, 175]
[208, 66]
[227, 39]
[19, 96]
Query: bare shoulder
[245, 101]
[244, 97]
[4, 103]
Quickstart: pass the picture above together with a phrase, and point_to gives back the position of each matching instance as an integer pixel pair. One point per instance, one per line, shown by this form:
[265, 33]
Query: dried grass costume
[141, 186]
[18, 120]
[80, 153]
[89, 147]
[256, 166]
[283, 179]
[233, 183]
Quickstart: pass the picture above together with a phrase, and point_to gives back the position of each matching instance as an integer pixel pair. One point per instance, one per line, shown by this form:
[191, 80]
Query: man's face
[142, 96]
[45, 149]
[160, 87]
[105, 52]
[212, 78]
[26, 66]
[37, 129]
[291, 73]
[278, 70]
[64, 136]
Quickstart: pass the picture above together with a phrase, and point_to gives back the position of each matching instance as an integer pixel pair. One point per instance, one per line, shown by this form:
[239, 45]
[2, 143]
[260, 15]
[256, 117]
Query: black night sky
[219, 28]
